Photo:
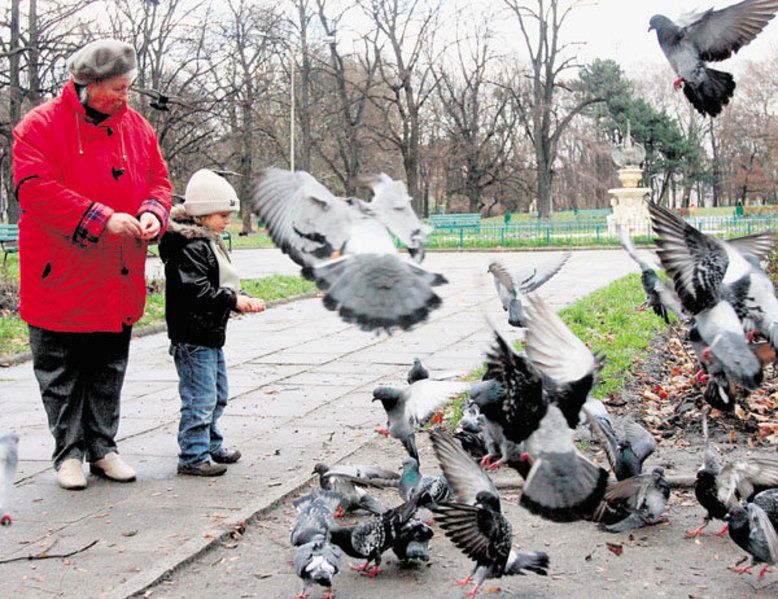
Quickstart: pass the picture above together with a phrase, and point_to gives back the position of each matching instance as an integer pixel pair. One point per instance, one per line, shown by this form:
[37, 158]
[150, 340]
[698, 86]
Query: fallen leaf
[615, 548]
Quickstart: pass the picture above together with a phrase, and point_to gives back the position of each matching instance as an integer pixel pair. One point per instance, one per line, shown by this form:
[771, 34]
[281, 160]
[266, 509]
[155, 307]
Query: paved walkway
[300, 389]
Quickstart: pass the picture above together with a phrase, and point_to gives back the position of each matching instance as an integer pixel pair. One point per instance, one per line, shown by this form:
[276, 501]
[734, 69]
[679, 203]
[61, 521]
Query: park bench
[9, 240]
[227, 236]
[455, 221]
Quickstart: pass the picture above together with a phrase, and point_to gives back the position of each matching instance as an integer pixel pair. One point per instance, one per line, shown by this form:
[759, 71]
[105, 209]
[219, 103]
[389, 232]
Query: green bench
[9, 240]
[227, 236]
[455, 221]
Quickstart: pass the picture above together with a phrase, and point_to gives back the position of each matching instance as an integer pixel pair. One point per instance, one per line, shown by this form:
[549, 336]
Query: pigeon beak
[650, 28]
[374, 399]
[417, 253]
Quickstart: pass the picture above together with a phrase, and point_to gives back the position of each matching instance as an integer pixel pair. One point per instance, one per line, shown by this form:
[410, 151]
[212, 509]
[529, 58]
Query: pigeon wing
[762, 533]
[737, 480]
[304, 219]
[426, 397]
[540, 277]
[760, 245]
[464, 476]
[642, 442]
[482, 535]
[9, 457]
[718, 34]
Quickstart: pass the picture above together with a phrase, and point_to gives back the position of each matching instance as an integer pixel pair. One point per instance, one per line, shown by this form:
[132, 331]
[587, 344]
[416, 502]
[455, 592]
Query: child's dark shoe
[226, 456]
[205, 468]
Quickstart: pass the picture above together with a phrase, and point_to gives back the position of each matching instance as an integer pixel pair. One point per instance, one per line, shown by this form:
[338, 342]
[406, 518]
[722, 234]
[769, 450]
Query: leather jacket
[196, 308]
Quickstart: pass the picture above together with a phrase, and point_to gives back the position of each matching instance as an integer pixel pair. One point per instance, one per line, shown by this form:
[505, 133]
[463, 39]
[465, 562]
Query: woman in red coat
[93, 190]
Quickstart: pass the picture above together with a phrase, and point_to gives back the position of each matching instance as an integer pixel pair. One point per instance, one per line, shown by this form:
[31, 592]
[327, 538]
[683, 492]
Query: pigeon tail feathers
[710, 97]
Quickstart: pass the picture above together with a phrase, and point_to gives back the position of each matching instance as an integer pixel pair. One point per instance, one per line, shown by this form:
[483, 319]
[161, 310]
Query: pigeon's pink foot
[371, 573]
[383, 431]
[430, 522]
[464, 582]
[707, 355]
[763, 571]
[6, 520]
[361, 568]
[472, 593]
[702, 377]
[328, 594]
[339, 513]
[743, 570]
[678, 83]
[697, 531]
[301, 595]
[486, 460]
[494, 465]
[723, 531]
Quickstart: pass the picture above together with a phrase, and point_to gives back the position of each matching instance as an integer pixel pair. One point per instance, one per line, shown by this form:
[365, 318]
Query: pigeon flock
[525, 410]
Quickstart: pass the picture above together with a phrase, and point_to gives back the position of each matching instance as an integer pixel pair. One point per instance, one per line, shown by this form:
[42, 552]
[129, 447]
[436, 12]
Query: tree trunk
[33, 54]
[716, 167]
[15, 103]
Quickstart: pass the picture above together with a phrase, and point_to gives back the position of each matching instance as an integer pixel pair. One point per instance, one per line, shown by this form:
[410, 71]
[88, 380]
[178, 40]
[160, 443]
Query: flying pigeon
[314, 516]
[9, 457]
[475, 523]
[348, 482]
[511, 287]
[661, 299]
[710, 36]
[412, 542]
[719, 488]
[417, 372]
[317, 562]
[752, 530]
[409, 408]
[160, 101]
[346, 247]
[427, 491]
[626, 452]
[369, 540]
[636, 502]
[702, 267]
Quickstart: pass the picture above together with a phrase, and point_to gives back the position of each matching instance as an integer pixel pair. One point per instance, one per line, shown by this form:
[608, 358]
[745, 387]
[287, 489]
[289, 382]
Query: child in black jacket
[202, 289]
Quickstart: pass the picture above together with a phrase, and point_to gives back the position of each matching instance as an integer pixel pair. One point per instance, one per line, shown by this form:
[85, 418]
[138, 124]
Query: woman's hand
[121, 223]
[249, 304]
[149, 226]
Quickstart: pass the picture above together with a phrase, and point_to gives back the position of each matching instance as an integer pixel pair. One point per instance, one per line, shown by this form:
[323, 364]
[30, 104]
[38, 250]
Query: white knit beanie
[207, 193]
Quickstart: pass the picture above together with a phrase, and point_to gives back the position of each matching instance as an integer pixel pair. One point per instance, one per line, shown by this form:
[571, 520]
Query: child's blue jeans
[202, 385]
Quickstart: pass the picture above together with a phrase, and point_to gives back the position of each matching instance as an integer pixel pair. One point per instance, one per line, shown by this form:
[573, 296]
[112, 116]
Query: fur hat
[207, 193]
[102, 59]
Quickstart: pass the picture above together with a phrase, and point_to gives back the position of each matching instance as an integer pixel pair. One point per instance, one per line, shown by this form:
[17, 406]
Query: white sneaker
[70, 475]
[111, 466]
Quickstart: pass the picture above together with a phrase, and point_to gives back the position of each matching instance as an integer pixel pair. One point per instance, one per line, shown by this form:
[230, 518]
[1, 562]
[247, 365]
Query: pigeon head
[410, 464]
[487, 501]
[388, 396]
[320, 469]
[485, 393]
[493, 267]
[737, 516]
[659, 23]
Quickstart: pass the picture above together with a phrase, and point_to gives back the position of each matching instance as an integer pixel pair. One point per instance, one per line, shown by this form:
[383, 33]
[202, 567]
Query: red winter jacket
[70, 176]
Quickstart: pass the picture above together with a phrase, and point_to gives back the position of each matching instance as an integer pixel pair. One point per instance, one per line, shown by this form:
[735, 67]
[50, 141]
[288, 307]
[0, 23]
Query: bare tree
[544, 117]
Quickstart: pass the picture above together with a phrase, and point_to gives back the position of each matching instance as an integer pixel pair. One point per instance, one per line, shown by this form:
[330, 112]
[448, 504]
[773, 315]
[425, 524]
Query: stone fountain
[629, 206]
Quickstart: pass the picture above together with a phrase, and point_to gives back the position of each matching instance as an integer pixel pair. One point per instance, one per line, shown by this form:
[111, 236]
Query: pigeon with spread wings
[346, 246]
[708, 36]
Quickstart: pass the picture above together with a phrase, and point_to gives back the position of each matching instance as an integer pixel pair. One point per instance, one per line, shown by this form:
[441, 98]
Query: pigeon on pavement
[511, 287]
[417, 372]
[348, 482]
[719, 488]
[475, 523]
[317, 562]
[702, 267]
[9, 457]
[661, 299]
[709, 36]
[426, 490]
[636, 502]
[626, 452]
[752, 530]
[369, 540]
[409, 408]
[346, 246]
[412, 542]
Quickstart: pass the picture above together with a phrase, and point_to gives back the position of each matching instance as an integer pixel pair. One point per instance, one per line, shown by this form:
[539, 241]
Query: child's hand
[249, 304]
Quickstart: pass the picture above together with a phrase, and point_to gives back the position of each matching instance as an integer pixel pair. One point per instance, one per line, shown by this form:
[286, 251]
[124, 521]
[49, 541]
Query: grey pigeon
[752, 530]
[9, 457]
[470, 431]
[512, 286]
[702, 267]
[346, 247]
[412, 542]
[719, 488]
[426, 490]
[719, 392]
[409, 408]
[369, 540]
[317, 562]
[349, 482]
[475, 523]
[314, 516]
[768, 501]
[636, 502]
[710, 36]
[626, 451]
[417, 372]
[661, 299]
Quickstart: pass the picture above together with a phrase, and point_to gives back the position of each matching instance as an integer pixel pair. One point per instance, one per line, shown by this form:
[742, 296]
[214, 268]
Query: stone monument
[629, 207]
